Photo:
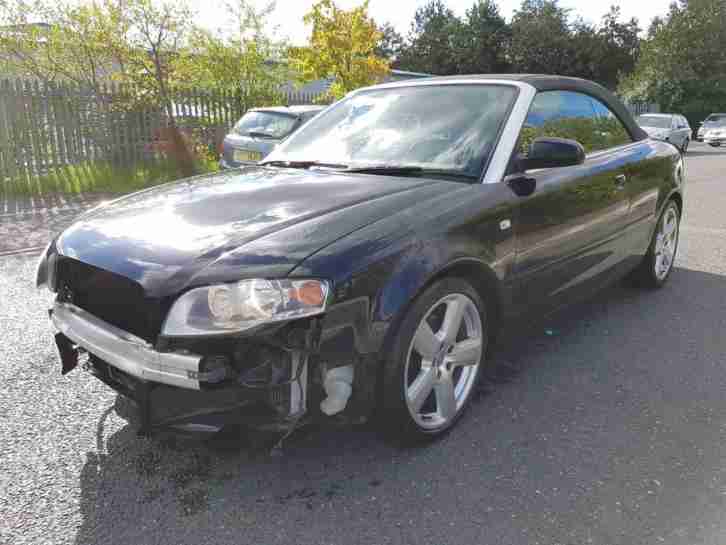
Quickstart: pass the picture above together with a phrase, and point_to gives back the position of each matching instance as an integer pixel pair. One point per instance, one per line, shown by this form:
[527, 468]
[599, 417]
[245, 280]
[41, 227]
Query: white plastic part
[338, 385]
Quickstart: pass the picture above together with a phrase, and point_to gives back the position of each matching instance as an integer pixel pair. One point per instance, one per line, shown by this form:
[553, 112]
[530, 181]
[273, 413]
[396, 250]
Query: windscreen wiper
[411, 170]
[254, 134]
[304, 164]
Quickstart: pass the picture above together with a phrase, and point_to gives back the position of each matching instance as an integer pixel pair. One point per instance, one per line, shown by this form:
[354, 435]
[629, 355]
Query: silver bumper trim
[125, 351]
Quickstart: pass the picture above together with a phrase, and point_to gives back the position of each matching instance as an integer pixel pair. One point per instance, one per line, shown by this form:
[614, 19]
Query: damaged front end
[266, 376]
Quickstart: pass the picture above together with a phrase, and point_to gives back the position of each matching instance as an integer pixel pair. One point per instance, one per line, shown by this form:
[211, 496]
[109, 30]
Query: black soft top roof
[543, 82]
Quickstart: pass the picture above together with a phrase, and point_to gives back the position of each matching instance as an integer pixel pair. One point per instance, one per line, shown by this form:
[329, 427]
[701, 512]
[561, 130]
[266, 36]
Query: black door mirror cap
[550, 152]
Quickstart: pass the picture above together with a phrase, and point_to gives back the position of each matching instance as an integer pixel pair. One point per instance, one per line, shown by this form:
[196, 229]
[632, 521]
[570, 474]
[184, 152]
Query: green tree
[682, 63]
[54, 42]
[391, 43]
[481, 47]
[342, 47]
[544, 40]
[149, 39]
[241, 59]
[541, 38]
[433, 41]
[619, 48]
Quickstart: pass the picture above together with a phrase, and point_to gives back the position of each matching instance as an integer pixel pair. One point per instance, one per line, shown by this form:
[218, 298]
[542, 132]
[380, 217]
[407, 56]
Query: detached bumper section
[125, 351]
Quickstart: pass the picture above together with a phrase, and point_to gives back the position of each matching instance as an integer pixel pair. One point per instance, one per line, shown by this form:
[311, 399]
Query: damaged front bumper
[177, 387]
[124, 351]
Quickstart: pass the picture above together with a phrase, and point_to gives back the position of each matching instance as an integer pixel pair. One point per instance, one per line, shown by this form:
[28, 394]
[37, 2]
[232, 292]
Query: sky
[288, 14]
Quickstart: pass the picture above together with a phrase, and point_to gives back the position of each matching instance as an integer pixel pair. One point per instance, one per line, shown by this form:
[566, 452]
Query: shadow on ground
[220, 491]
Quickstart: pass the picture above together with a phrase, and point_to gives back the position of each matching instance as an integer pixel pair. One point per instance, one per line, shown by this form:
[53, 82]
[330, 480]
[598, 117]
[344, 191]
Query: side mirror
[548, 152]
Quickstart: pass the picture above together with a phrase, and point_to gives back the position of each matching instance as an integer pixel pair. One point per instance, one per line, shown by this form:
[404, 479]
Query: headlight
[227, 308]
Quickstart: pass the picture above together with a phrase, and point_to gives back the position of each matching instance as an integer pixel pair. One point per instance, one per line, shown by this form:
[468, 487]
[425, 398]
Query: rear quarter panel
[654, 178]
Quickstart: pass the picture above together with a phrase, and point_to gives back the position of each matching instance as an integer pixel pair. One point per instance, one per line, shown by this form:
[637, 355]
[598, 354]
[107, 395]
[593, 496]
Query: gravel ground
[610, 430]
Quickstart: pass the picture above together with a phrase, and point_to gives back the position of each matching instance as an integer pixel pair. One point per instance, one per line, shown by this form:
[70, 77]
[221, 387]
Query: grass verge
[94, 176]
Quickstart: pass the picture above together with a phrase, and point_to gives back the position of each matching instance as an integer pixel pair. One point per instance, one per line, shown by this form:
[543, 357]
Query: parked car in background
[370, 260]
[707, 123]
[258, 132]
[673, 128]
[715, 134]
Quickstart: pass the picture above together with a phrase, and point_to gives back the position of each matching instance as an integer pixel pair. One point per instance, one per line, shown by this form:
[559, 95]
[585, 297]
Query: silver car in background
[711, 121]
[673, 128]
[261, 129]
[715, 134]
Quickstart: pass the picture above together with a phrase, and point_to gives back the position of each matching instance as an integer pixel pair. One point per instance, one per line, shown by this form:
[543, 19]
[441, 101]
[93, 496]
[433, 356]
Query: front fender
[378, 270]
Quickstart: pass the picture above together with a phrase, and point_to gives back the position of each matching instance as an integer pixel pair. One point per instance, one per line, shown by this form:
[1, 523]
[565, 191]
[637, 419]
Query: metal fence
[639, 108]
[46, 126]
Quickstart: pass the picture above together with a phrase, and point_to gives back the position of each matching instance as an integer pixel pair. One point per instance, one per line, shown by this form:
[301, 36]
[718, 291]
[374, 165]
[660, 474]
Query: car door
[675, 135]
[568, 231]
[685, 130]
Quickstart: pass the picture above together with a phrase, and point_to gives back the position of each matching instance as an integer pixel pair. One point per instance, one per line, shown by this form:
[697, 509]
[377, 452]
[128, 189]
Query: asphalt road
[604, 424]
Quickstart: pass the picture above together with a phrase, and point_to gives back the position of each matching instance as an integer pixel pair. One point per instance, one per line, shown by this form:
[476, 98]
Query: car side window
[568, 114]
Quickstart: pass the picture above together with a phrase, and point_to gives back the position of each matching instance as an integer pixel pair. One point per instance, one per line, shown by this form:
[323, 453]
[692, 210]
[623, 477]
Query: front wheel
[684, 148]
[657, 264]
[435, 363]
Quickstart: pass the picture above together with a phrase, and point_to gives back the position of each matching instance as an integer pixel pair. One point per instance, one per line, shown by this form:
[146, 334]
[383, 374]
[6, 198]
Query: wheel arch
[678, 198]
[482, 278]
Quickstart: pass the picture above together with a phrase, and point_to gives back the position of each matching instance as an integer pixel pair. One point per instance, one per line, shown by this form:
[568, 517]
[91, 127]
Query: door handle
[620, 180]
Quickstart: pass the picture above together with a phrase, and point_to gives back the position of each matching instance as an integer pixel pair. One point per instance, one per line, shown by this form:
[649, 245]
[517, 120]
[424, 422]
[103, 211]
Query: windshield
[716, 120]
[655, 122]
[265, 124]
[438, 127]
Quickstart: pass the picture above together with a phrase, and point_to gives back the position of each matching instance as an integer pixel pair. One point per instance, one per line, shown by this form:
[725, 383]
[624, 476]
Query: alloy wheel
[443, 361]
[666, 243]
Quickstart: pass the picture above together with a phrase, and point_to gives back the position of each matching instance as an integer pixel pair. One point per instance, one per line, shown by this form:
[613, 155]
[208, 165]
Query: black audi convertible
[367, 263]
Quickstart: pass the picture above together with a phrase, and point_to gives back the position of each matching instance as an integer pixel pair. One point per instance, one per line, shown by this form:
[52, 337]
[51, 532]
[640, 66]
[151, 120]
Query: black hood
[224, 227]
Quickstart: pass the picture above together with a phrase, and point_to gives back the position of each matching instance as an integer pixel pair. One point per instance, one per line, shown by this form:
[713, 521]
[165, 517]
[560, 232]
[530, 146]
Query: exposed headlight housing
[230, 308]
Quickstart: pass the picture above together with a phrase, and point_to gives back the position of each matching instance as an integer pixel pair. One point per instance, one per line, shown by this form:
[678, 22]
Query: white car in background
[710, 122]
[715, 134]
[673, 128]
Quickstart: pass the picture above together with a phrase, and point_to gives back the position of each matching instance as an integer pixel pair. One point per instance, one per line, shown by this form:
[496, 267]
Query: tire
[657, 265]
[424, 391]
[684, 149]
[715, 145]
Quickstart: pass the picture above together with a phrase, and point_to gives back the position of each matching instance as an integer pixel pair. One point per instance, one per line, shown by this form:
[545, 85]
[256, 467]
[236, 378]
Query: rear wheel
[435, 363]
[657, 264]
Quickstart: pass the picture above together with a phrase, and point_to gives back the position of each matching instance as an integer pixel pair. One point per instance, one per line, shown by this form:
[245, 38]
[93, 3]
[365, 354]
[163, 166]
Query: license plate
[245, 156]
